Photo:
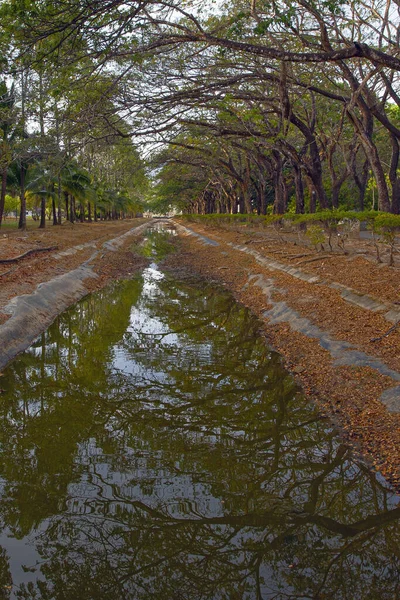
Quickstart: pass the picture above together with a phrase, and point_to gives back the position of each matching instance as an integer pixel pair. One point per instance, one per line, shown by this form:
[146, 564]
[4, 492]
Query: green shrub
[316, 235]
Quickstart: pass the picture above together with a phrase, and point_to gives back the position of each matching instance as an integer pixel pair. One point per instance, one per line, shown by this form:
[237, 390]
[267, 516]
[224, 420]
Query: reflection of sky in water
[143, 324]
[23, 556]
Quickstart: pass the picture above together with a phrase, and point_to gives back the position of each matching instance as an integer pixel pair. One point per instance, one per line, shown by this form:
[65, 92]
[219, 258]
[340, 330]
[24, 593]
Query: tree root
[32, 251]
[7, 272]
[315, 258]
[388, 332]
[293, 256]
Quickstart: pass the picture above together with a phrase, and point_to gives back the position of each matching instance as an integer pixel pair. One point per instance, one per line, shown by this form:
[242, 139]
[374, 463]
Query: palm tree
[76, 185]
[41, 185]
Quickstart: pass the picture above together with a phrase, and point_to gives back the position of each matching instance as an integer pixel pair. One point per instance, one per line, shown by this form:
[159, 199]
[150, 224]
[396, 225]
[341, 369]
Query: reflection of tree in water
[184, 464]
[53, 403]
[5, 576]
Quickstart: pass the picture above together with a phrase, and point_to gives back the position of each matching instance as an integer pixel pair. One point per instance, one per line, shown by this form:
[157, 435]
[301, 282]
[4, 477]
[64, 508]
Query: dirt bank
[327, 318]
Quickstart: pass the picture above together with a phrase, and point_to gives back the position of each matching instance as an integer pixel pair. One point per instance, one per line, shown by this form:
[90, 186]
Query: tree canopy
[253, 106]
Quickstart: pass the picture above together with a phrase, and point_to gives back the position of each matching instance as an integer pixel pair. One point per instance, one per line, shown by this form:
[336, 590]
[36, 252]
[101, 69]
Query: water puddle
[152, 446]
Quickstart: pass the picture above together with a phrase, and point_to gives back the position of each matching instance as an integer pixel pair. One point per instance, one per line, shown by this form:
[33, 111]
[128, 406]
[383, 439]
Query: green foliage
[86, 69]
[316, 235]
[232, 219]
[77, 182]
[41, 183]
[386, 226]
[387, 221]
[328, 220]
[317, 225]
[11, 204]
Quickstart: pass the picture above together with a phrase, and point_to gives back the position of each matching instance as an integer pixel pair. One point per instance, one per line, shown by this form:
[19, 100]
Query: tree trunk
[66, 198]
[337, 183]
[313, 163]
[89, 212]
[396, 197]
[3, 192]
[280, 195]
[377, 169]
[59, 193]
[335, 194]
[261, 198]
[247, 208]
[299, 189]
[54, 210]
[22, 214]
[364, 133]
[319, 192]
[279, 185]
[360, 181]
[42, 213]
[72, 214]
[313, 196]
[393, 177]
[313, 201]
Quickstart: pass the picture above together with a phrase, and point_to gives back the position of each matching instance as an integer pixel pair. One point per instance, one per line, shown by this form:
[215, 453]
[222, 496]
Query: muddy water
[152, 446]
